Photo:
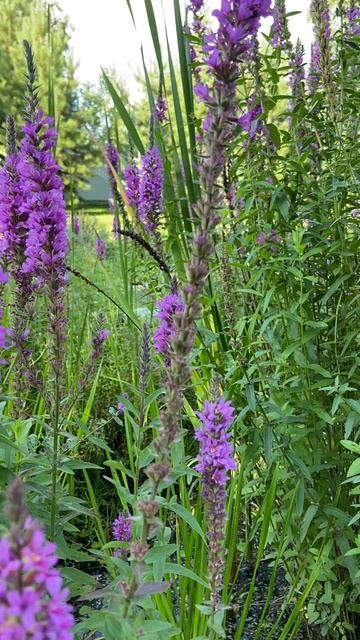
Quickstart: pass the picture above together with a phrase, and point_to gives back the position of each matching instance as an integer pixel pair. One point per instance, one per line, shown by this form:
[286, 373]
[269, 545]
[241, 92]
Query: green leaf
[274, 134]
[124, 115]
[160, 552]
[180, 570]
[354, 468]
[310, 514]
[188, 517]
[150, 588]
[77, 576]
[321, 413]
[351, 446]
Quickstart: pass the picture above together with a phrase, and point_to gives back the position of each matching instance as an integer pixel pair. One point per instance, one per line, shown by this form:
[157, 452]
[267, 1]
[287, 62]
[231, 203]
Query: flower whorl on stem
[321, 53]
[280, 27]
[32, 599]
[215, 460]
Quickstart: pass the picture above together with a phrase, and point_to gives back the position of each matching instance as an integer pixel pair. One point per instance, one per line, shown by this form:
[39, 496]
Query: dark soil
[279, 595]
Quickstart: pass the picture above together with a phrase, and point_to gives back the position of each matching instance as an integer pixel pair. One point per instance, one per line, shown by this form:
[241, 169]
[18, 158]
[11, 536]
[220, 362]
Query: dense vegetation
[180, 408]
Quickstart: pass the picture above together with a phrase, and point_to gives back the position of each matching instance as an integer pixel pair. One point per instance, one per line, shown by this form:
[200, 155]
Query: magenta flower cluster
[276, 26]
[238, 20]
[112, 156]
[151, 185]
[144, 188]
[13, 220]
[32, 600]
[215, 460]
[122, 532]
[160, 110]
[314, 67]
[121, 528]
[132, 184]
[250, 121]
[168, 307]
[98, 343]
[216, 456]
[353, 17]
[43, 203]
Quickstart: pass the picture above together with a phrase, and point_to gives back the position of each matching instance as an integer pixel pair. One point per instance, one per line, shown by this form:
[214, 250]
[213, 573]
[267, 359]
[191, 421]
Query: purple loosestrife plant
[32, 599]
[14, 230]
[215, 460]
[224, 50]
[46, 241]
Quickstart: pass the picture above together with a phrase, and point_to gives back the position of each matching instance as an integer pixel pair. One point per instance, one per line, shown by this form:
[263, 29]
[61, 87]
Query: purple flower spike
[165, 333]
[100, 248]
[98, 343]
[321, 63]
[215, 460]
[13, 221]
[122, 532]
[314, 68]
[151, 184]
[112, 156]
[353, 18]
[160, 110]
[46, 242]
[32, 598]
[122, 528]
[238, 22]
[132, 182]
[280, 28]
[216, 453]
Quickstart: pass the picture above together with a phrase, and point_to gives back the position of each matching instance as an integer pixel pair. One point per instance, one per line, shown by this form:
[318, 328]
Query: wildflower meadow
[180, 313]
